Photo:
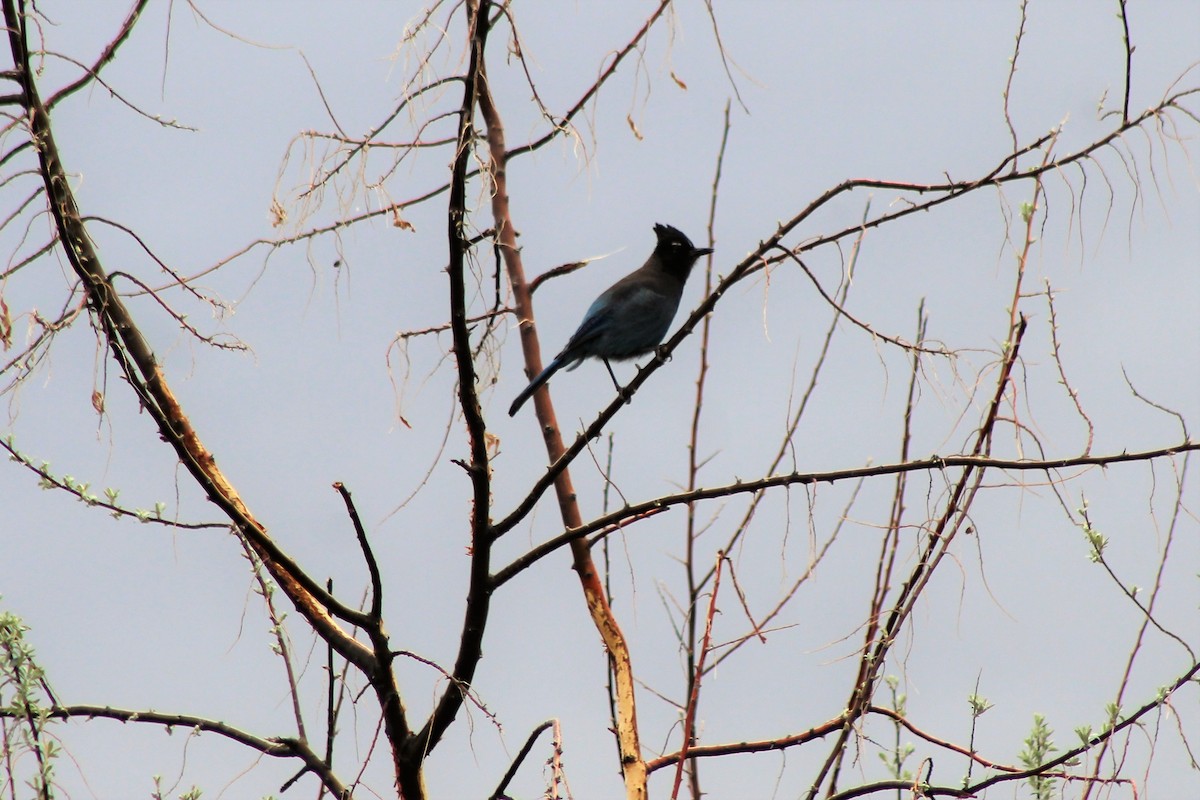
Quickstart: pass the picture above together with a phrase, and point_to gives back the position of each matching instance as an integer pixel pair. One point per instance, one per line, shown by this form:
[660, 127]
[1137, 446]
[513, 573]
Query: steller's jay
[632, 316]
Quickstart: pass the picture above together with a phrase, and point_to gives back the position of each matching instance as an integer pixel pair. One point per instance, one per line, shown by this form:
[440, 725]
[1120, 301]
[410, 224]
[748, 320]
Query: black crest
[671, 238]
[675, 251]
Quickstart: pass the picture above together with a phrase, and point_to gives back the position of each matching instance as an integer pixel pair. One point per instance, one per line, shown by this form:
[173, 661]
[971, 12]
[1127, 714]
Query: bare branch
[470, 648]
[376, 610]
[277, 747]
[932, 464]
[107, 55]
[499, 792]
[140, 366]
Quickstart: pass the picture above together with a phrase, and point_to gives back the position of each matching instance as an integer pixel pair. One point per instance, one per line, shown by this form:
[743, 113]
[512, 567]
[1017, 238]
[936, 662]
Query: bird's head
[676, 251]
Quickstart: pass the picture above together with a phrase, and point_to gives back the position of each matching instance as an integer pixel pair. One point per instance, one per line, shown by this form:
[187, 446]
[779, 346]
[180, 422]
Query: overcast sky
[146, 616]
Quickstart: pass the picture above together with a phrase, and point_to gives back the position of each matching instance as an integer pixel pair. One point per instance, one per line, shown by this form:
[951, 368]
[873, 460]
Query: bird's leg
[620, 389]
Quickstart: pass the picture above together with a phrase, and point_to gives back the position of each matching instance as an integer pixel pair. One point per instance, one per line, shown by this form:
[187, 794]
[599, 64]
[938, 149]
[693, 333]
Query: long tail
[536, 384]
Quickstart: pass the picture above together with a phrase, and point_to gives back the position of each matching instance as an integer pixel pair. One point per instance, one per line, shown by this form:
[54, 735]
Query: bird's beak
[701, 251]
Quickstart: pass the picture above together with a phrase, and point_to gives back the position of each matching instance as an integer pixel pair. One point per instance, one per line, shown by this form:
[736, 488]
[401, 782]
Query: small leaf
[633, 127]
[399, 221]
[5, 325]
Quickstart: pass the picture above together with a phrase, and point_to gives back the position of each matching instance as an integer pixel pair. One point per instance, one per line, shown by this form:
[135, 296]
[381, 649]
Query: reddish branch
[1007, 773]
[633, 767]
[691, 532]
[689, 719]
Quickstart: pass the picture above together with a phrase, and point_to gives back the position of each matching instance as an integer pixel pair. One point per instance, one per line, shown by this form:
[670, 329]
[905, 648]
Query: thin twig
[105, 57]
[1123, 14]
[1012, 71]
[931, 464]
[360, 533]
[511, 772]
[278, 747]
[689, 719]
[842, 312]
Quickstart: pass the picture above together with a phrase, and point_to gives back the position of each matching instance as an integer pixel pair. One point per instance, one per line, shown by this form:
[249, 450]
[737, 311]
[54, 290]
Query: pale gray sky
[144, 616]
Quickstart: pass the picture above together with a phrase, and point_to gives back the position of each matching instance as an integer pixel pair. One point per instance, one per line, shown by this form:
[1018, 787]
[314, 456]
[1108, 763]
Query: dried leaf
[400, 222]
[5, 325]
[633, 127]
[278, 214]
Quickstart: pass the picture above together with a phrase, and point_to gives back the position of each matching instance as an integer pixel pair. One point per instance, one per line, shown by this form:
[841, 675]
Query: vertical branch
[633, 767]
[693, 673]
[610, 688]
[887, 560]
[383, 679]
[891, 542]
[376, 608]
[1147, 620]
[479, 591]
[689, 721]
[943, 531]
[1012, 71]
[896, 518]
[1028, 214]
[1124, 16]
[267, 591]
[331, 706]
[1056, 352]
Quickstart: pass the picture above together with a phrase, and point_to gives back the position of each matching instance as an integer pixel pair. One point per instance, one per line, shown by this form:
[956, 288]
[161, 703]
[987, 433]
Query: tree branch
[758, 259]
[470, 648]
[108, 54]
[933, 463]
[277, 747]
[140, 366]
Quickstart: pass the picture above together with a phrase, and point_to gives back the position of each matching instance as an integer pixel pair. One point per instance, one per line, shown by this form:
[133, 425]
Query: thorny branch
[327, 615]
[1006, 773]
[277, 747]
[627, 734]
[470, 648]
[758, 259]
[930, 464]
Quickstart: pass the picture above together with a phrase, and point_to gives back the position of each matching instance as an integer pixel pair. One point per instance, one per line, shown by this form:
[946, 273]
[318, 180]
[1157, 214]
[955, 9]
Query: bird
[631, 317]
